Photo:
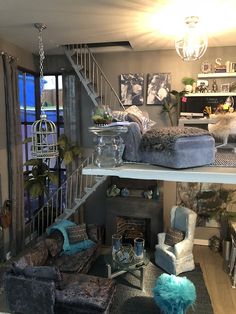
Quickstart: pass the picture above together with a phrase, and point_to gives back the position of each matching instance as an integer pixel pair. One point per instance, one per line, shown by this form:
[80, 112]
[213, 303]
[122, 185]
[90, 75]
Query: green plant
[172, 104]
[68, 151]
[102, 115]
[38, 178]
[188, 80]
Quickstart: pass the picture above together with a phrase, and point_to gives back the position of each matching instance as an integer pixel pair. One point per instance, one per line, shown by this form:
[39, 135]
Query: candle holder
[116, 244]
[139, 248]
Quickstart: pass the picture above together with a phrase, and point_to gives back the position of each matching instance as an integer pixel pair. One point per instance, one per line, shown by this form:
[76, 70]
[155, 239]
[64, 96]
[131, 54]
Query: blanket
[165, 138]
[69, 249]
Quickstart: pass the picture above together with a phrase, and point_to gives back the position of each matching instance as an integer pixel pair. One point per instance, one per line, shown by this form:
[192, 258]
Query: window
[30, 108]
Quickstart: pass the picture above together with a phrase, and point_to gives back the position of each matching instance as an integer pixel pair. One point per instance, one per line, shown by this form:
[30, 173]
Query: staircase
[73, 193]
[92, 77]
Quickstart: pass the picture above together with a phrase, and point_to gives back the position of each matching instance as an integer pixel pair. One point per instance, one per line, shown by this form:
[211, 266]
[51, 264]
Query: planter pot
[188, 88]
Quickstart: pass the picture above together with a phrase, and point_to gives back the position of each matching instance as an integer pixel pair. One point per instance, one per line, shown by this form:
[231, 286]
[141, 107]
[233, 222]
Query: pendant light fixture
[193, 44]
[44, 132]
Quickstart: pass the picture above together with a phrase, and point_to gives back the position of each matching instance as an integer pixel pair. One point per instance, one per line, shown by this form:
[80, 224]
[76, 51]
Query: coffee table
[115, 268]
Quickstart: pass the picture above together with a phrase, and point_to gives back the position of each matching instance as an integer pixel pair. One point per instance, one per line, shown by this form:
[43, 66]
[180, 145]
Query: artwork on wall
[158, 86]
[132, 89]
[208, 200]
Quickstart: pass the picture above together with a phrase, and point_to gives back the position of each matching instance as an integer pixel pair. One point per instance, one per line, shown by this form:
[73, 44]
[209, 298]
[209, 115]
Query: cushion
[140, 117]
[36, 256]
[173, 236]
[77, 233]
[38, 272]
[54, 243]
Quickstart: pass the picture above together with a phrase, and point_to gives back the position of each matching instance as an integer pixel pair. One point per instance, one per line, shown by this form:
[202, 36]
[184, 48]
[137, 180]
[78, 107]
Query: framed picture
[225, 88]
[206, 67]
[131, 89]
[158, 87]
[233, 67]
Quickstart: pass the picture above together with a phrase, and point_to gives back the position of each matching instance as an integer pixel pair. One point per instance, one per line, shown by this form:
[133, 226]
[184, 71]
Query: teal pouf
[173, 294]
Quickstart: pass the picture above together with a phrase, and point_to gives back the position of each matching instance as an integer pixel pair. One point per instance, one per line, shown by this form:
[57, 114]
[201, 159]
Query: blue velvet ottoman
[173, 147]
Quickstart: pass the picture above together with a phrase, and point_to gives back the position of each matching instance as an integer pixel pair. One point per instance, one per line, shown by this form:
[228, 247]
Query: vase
[188, 88]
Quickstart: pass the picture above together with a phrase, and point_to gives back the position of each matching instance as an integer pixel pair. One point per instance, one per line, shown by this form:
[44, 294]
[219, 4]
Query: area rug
[129, 299]
[224, 160]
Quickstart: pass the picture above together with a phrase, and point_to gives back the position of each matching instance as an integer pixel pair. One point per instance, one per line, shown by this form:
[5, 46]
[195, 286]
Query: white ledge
[150, 172]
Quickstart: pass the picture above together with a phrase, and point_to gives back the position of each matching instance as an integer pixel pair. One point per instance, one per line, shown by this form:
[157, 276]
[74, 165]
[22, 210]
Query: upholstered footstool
[177, 147]
[83, 293]
[173, 294]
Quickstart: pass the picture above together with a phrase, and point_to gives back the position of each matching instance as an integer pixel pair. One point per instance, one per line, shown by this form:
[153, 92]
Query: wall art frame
[132, 89]
[158, 88]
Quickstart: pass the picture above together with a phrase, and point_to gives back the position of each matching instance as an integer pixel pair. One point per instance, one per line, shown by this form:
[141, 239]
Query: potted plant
[188, 82]
[172, 104]
[102, 115]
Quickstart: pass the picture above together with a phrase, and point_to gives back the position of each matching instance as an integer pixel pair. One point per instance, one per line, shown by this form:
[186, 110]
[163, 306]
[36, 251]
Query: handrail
[64, 201]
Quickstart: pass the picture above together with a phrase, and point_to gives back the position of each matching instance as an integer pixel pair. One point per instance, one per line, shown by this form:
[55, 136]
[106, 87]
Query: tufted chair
[179, 257]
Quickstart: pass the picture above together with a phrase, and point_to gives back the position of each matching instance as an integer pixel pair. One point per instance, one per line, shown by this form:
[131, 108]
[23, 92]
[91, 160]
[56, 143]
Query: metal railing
[65, 201]
[93, 78]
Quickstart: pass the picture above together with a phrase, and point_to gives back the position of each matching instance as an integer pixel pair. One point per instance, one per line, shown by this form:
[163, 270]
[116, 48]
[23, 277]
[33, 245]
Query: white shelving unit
[213, 76]
[210, 94]
[216, 75]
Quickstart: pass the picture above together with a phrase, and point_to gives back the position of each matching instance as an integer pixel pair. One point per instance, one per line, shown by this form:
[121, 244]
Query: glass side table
[109, 145]
[115, 268]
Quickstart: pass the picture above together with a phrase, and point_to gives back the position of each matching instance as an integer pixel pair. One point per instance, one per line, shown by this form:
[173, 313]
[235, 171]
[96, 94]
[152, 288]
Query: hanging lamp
[44, 132]
[192, 45]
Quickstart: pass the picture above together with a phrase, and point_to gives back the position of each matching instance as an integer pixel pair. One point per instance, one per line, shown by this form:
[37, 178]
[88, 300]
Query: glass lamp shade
[44, 139]
[193, 44]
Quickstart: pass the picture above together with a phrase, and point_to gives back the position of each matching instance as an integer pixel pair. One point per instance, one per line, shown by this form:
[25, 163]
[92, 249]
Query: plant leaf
[68, 157]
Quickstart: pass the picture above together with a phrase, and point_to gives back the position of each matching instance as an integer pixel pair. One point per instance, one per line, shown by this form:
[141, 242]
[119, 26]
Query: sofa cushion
[35, 256]
[89, 293]
[54, 243]
[38, 272]
[77, 233]
[173, 236]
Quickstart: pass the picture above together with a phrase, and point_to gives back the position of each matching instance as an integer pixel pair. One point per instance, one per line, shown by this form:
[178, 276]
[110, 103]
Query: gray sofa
[173, 147]
[44, 281]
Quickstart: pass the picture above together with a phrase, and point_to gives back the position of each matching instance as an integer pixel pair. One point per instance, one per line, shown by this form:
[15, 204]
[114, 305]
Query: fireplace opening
[131, 227]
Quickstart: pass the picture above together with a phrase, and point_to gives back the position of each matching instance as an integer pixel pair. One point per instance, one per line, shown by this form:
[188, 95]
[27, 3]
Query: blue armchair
[177, 258]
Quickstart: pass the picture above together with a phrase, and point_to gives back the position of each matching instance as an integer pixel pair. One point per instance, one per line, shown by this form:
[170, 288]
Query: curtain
[14, 152]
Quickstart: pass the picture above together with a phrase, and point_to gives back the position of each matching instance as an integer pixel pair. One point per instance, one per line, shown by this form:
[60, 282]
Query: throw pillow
[173, 236]
[141, 116]
[54, 243]
[77, 233]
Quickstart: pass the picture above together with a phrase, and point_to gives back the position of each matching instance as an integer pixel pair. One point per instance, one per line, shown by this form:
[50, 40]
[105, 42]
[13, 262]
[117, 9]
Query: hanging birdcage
[44, 138]
[44, 132]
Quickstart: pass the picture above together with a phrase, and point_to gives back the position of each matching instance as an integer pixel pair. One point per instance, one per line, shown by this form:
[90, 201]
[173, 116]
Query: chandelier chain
[41, 60]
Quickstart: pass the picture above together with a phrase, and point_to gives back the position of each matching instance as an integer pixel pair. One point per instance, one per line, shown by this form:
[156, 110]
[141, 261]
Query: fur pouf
[223, 124]
[174, 294]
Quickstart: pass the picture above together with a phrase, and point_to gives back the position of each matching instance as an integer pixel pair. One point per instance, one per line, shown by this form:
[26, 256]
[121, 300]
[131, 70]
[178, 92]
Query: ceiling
[146, 24]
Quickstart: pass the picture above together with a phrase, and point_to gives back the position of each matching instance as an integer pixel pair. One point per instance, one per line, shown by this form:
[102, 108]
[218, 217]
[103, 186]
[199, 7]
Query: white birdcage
[43, 131]
[44, 138]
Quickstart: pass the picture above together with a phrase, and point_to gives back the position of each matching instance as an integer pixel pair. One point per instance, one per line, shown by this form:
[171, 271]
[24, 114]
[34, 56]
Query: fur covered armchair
[224, 124]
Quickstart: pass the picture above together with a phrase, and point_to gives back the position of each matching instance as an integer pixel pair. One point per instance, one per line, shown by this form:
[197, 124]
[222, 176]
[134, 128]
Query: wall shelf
[210, 94]
[216, 75]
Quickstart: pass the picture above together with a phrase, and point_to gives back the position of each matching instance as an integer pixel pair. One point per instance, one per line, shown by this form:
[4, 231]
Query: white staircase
[74, 192]
[92, 77]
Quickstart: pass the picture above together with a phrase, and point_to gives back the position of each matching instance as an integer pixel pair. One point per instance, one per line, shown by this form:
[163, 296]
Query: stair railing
[93, 78]
[64, 202]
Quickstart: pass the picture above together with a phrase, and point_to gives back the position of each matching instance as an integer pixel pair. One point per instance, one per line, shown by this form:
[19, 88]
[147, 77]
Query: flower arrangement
[102, 115]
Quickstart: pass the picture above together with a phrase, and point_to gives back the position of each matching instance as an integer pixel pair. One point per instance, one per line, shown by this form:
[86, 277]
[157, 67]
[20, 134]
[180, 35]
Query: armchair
[177, 258]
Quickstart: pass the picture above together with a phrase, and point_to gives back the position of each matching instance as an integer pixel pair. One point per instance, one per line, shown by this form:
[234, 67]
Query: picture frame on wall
[158, 87]
[224, 88]
[132, 89]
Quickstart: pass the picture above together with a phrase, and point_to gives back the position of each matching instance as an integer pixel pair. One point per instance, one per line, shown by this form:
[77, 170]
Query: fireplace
[133, 217]
[130, 228]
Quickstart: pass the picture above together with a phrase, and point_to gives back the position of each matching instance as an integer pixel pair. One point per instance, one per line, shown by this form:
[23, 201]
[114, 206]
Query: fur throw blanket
[223, 124]
[164, 138]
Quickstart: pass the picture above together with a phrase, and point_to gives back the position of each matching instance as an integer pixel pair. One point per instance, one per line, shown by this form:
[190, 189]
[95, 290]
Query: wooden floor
[223, 296]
